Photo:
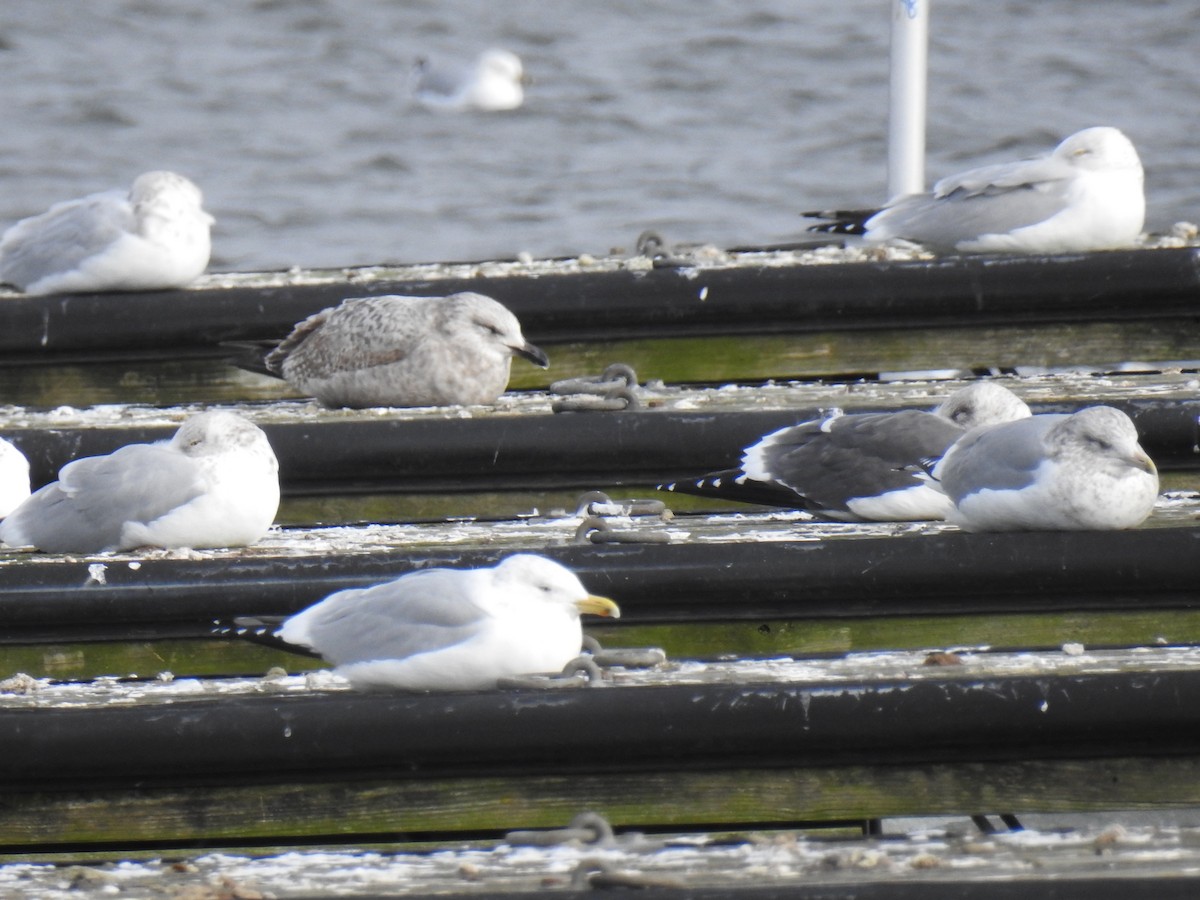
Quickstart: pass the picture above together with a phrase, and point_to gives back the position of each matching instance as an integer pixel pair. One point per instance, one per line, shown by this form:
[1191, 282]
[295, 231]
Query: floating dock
[818, 674]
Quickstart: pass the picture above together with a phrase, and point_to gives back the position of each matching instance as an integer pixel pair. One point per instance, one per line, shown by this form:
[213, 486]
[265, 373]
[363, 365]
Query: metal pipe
[613, 729]
[906, 112]
[951, 573]
[447, 455]
[1134, 285]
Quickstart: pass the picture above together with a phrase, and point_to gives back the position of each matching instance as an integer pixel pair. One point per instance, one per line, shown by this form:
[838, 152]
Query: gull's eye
[1099, 444]
[489, 327]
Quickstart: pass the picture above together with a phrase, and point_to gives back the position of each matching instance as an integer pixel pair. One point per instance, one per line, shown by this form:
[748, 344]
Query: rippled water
[715, 121]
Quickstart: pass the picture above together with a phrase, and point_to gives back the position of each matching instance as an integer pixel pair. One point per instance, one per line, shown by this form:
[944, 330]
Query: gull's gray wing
[998, 458]
[86, 509]
[855, 456]
[1003, 177]
[361, 333]
[418, 613]
[989, 200]
[439, 82]
[61, 238]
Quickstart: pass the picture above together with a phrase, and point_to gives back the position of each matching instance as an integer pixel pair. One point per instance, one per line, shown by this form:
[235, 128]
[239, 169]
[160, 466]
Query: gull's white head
[492, 325]
[982, 403]
[1100, 149]
[218, 432]
[167, 195]
[499, 81]
[502, 64]
[1105, 437]
[536, 579]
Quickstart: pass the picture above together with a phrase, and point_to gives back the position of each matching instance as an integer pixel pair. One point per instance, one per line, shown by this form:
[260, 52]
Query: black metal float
[548, 732]
[55, 600]
[539, 451]
[1116, 286]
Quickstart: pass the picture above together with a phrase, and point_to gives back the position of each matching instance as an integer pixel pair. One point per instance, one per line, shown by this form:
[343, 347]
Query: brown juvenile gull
[1079, 472]
[1085, 195]
[154, 237]
[404, 351]
[214, 484]
[451, 629]
[863, 466]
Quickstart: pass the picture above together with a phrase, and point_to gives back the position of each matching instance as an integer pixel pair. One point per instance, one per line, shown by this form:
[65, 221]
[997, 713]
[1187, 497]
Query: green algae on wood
[399, 810]
[748, 639]
[714, 359]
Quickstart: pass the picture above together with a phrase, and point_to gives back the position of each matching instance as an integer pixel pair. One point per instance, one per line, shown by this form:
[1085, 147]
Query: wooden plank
[405, 810]
[822, 354]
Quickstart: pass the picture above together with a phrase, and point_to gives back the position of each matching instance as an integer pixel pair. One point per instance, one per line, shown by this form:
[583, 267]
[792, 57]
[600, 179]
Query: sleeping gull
[864, 466]
[153, 238]
[494, 83]
[404, 351]
[451, 629]
[1077, 472]
[14, 478]
[214, 484]
[1085, 195]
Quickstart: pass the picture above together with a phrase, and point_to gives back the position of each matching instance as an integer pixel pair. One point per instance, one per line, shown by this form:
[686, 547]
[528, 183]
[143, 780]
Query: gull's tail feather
[262, 630]
[842, 221]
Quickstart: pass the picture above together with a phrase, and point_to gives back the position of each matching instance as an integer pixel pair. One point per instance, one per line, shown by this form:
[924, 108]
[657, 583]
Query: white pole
[906, 115]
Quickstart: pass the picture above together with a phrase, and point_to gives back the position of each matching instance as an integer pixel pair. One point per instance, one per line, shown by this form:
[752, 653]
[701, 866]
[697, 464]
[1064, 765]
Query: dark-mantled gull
[215, 483]
[451, 629]
[863, 466]
[1085, 195]
[14, 478]
[154, 237]
[1079, 472]
[495, 82]
[404, 351]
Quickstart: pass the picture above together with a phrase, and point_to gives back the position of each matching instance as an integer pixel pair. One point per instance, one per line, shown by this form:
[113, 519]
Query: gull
[451, 629]
[1078, 472]
[14, 478]
[863, 466]
[153, 238]
[495, 83]
[214, 484]
[1085, 195]
[404, 351]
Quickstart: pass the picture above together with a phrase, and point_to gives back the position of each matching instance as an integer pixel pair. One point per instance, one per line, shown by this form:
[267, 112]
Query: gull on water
[404, 351]
[14, 478]
[495, 82]
[214, 484]
[152, 238]
[863, 466]
[1085, 195]
[451, 629]
[1084, 471]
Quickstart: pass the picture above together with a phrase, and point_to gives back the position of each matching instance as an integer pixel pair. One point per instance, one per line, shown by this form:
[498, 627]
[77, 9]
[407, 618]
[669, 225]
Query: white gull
[451, 629]
[1084, 471]
[154, 237]
[1087, 194]
[214, 484]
